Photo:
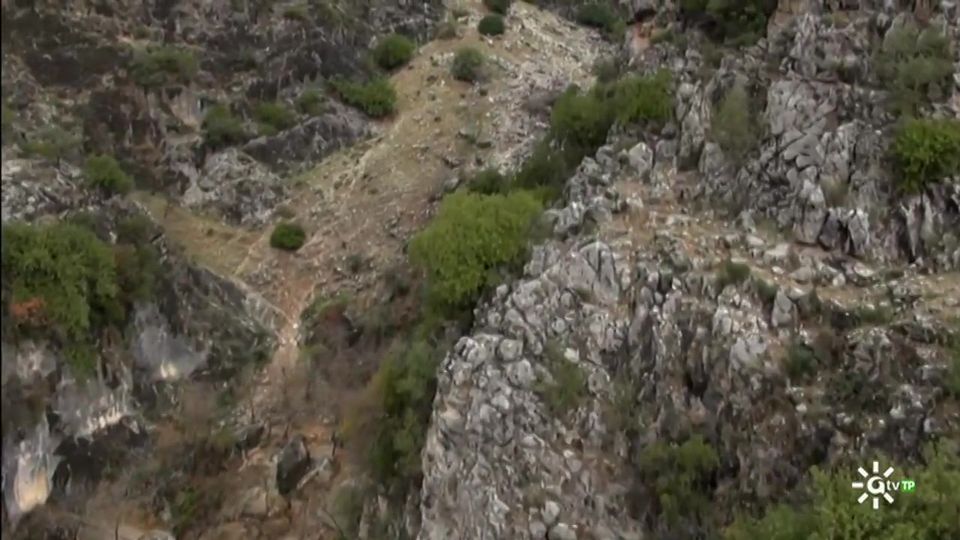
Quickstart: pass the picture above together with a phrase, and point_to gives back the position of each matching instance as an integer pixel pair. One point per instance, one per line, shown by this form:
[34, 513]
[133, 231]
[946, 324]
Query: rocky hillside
[564, 270]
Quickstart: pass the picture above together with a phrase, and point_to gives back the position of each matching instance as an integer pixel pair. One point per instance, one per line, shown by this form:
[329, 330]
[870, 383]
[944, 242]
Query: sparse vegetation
[446, 29]
[874, 315]
[288, 236]
[602, 16]
[678, 478]
[393, 51]
[468, 65]
[221, 127]
[498, 6]
[310, 102]
[471, 237]
[736, 23]
[801, 361]
[491, 25]
[734, 126]
[297, 12]
[926, 151]
[731, 273]
[952, 382]
[376, 98]
[53, 143]
[164, 65]
[568, 385]
[273, 116]
[104, 173]
[917, 66]
[766, 291]
[606, 70]
[404, 387]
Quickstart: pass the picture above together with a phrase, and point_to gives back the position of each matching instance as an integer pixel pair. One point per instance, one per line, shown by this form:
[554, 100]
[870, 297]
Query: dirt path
[362, 204]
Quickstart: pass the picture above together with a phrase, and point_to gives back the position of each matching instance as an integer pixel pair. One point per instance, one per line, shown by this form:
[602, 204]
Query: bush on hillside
[470, 239]
[498, 6]
[580, 121]
[446, 29]
[489, 182]
[221, 127]
[917, 65]
[602, 16]
[273, 117]
[491, 25]
[377, 98]
[738, 22]
[678, 476]
[831, 512]
[310, 102]
[926, 151]
[468, 65]
[403, 389]
[159, 66]
[647, 99]
[733, 126]
[567, 387]
[288, 236]
[53, 143]
[545, 168]
[104, 173]
[393, 51]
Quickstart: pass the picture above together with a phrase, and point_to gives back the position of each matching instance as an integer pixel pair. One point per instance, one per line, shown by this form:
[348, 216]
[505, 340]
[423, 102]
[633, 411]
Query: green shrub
[545, 168]
[377, 98]
[580, 122]
[734, 127]
[731, 273]
[273, 117]
[874, 315]
[926, 151]
[446, 30]
[801, 360]
[393, 51]
[297, 12]
[643, 99]
[471, 237]
[831, 510]
[53, 143]
[221, 127]
[606, 70]
[917, 65]
[766, 291]
[568, 385]
[491, 25]
[404, 388]
[104, 173]
[602, 16]
[287, 236]
[489, 182]
[160, 66]
[67, 267]
[310, 102]
[737, 22]
[679, 476]
[497, 6]
[468, 65]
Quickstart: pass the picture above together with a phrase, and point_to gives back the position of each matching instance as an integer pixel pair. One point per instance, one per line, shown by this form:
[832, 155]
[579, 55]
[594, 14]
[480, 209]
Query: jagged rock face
[246, 52]
[821, 167]
[697, 355]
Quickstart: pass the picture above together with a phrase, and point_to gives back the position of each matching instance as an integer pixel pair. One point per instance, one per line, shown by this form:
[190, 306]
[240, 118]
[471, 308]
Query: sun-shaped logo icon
[875, 485]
